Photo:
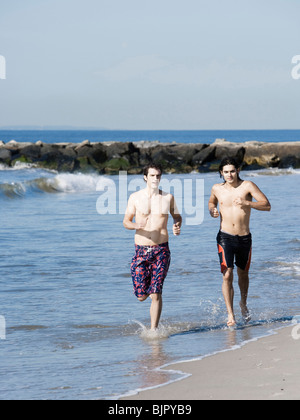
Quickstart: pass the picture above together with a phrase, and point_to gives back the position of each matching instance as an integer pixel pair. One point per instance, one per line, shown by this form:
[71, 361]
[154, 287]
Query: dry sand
[266, 369]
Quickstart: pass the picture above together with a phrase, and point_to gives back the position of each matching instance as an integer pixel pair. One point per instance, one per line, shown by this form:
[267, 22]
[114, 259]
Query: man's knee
[156, 297]
[143, 298]
[243, 275]
[228, 275]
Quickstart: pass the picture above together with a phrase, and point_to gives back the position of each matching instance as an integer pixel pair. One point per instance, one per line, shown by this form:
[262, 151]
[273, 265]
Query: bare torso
[153, 212]
[235, 219]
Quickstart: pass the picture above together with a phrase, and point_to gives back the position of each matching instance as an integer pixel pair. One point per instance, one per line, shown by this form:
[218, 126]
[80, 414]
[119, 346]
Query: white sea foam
[59, 183]
[162, 332]
[272, 172]
[286, 268]
[17, 167]
[71, 183]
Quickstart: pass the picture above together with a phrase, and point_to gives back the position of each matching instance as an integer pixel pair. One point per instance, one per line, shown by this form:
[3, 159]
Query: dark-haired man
[151, 207]
[235, 199]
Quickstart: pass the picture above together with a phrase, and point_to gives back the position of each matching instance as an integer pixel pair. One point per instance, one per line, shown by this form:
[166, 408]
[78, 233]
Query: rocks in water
[112, 157]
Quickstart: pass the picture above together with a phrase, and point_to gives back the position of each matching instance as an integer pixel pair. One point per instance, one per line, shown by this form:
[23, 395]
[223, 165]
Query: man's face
[230, 174]
[153, 178]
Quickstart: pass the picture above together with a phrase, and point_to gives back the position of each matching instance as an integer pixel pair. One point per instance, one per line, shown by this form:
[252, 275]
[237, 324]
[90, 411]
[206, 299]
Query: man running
[235, 199]
[151, 207]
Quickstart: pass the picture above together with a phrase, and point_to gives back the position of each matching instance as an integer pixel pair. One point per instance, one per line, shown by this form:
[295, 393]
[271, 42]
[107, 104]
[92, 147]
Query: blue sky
[159, 64]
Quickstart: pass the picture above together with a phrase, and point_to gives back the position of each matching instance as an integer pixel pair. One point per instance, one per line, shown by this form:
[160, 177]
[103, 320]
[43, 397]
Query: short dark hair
[152, 165]
[228, 161]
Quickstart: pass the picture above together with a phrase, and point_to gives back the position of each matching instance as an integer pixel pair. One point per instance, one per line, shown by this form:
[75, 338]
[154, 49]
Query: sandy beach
[266, 369]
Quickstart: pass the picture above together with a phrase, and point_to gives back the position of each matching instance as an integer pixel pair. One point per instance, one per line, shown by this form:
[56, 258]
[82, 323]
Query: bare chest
[226, 197]
[153, 206]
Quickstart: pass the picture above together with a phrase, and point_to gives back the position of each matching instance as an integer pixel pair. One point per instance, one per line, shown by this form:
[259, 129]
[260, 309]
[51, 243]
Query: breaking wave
[16, 185]
[61, 183]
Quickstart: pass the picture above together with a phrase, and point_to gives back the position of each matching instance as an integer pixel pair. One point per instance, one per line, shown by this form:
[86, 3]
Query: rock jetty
[110, 158]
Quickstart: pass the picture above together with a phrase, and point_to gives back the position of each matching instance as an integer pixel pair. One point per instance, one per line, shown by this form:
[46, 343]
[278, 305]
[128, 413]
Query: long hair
[229, 161]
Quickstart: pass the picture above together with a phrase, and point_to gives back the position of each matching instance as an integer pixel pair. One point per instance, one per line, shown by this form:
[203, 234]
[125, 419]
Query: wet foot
[245, 312]
[231, 321]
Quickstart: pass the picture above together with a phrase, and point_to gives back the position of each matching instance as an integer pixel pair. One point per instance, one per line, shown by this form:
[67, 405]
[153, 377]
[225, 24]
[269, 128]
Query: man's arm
[176, 217]
[261, 203]
[213, 204]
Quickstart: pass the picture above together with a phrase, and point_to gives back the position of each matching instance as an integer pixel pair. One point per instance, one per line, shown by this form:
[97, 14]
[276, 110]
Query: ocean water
[164, 136]
[74, 330]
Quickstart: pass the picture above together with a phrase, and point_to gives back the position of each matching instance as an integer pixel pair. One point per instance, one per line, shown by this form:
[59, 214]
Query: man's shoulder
[134, 198]
[136, 194]
[249, 184]
[217, 186]
[166, 195]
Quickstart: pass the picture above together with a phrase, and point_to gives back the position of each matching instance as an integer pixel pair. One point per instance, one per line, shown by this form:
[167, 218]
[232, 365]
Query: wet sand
[266, 369]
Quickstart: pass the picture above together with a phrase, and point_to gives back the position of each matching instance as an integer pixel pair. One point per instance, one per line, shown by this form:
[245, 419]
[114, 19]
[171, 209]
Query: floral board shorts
[149, 269]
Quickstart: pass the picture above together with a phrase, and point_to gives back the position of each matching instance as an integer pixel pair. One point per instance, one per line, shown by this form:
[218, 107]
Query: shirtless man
[151, 207]
[235, 199]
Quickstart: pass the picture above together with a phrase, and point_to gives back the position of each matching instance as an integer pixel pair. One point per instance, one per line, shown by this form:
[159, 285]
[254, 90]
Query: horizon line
[74, 128]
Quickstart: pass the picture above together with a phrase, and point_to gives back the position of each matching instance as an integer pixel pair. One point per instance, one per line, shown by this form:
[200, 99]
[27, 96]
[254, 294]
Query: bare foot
[231, 321]
[245, 312]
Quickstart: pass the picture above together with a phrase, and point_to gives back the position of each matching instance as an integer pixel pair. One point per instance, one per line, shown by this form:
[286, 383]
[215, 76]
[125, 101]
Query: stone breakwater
[110, 158]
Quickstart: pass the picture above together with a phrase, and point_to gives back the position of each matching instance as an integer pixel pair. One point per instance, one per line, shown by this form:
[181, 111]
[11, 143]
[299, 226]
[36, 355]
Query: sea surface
[74, 329]
[164, 136]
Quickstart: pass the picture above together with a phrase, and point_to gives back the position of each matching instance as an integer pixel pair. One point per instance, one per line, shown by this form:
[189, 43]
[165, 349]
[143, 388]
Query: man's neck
[233, 185]
[152, 192]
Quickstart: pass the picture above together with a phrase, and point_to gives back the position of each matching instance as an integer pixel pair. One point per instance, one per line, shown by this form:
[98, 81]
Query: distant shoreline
[77, 136]
[111, 157]
[72, 128]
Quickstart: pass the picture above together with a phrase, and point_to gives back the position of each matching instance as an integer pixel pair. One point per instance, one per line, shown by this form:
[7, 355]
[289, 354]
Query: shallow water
[74, 330]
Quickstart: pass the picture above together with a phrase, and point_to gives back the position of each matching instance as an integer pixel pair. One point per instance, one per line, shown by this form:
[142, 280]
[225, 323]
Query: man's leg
[228, 293]
[143, 298]
[155, 309]
[160, 269]
[244, 287]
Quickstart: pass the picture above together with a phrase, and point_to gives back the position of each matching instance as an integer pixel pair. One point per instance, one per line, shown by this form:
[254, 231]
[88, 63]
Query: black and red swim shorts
[234, 249]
